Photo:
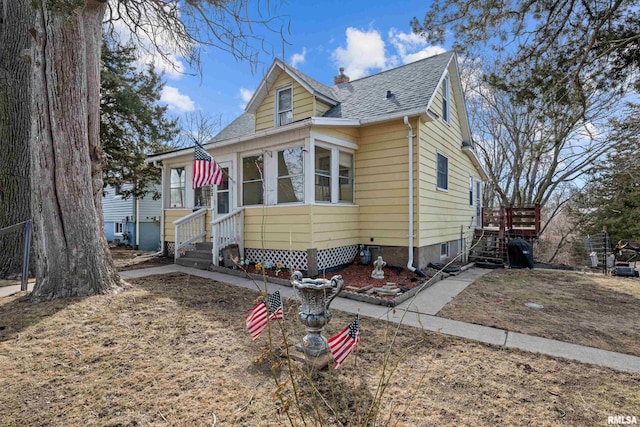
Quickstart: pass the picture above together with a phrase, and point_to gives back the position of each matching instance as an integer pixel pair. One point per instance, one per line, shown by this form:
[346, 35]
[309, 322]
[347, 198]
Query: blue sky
[364, 37]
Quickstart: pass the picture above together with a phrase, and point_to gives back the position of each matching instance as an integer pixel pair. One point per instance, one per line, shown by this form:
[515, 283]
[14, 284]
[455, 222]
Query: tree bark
[14, 131]
[72, 256]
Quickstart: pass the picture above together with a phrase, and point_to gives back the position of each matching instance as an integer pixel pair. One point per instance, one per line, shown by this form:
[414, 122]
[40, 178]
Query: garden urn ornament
[315, 296]
[377, 272]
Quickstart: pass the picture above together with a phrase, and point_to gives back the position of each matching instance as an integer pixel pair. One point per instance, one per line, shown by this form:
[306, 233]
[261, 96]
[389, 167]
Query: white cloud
[147, 50]
[245, 95]
[176, 101]
[298, 58]
[365, 52]
[411, 47]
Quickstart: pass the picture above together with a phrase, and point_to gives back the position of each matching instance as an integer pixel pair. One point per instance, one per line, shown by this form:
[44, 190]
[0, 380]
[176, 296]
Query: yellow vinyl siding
[171, 215]
[350, 134]
[320, 108]
[442, 213]
[334, 226]
[285, 227]
[382, 184]
[303, 105]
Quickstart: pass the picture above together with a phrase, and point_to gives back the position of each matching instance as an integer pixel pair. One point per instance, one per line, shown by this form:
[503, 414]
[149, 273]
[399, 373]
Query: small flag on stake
[345, 341]
[271, 309]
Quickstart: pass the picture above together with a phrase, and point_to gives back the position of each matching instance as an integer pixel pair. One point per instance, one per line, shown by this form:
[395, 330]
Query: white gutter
[410, 138]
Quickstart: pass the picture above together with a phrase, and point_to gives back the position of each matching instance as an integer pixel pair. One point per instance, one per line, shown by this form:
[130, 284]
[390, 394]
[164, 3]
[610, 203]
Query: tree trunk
[72, 256]
[14, 131]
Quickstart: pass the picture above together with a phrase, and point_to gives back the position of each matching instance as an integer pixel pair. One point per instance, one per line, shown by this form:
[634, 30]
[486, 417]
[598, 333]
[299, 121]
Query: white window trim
[115, 229]
[265, 178]
[304, 172]
[446, 98]
[438, 187]
[472, 191]
[335, 171]
[185, 204]
[276, 108]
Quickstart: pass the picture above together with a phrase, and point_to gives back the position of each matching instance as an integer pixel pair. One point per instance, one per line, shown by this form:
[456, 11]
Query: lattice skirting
[171, 249]
[334, 257]
[327, 258]
[296, 260]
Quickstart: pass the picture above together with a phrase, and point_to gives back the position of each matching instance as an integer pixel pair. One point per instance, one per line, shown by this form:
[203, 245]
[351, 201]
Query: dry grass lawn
[589, 309]
[172, 351]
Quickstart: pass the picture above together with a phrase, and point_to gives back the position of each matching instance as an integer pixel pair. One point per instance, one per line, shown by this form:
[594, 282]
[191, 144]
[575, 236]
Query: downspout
[162, 193]
[410, 138]
[137, 223]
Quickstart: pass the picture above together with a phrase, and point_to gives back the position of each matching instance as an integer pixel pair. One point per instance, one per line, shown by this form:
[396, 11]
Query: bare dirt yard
[172, 350]
[582, 308]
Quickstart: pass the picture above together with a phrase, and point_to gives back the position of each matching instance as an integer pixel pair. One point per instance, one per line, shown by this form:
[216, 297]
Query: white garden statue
[377, 272]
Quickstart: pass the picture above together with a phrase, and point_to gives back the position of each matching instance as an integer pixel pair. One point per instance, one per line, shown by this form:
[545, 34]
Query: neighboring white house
[132, 221]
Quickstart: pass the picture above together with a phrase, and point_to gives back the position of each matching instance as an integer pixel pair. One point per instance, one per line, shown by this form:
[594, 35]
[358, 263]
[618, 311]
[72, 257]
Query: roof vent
[341, 78]
[389, 94]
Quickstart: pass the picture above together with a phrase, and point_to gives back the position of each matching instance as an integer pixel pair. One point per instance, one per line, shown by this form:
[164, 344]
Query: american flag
[263, 312]
[344, 342]
[205, 170]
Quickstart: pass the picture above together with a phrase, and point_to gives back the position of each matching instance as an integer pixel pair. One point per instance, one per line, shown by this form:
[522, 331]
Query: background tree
[536, 149]
[63, 122]
[14, 130]
[132, 123]
[613, 196]
[585, 42]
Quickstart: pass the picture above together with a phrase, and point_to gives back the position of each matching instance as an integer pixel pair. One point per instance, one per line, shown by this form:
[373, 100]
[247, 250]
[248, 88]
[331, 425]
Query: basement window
[444, 250]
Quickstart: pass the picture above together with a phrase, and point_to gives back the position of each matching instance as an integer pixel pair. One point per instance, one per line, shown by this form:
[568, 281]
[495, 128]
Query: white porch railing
[226, 230]
[189, 229]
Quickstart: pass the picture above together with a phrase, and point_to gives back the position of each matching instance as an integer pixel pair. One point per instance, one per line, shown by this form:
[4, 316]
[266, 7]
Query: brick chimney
[341, 78]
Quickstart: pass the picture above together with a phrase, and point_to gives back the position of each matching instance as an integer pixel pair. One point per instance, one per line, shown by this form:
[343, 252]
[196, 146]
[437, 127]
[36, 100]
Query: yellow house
[312, 172]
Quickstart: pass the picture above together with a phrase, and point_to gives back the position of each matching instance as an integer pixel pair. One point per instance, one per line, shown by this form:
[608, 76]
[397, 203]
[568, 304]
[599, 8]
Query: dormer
[286, 96]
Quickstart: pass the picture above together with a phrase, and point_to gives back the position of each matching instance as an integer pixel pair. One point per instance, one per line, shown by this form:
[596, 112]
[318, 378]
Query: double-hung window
[252, 180]
[177, 180]
[291, 175]
[345, 176]
[442, 172]
[284, 106]
[323, 174]
[333, 175]
[446, 100]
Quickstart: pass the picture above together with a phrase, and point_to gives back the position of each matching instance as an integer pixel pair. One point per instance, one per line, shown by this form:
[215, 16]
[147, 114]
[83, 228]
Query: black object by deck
[520, 253]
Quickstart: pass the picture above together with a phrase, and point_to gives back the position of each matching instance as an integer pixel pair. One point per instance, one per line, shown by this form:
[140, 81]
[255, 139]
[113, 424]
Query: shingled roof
[402, 89]
[405, 89]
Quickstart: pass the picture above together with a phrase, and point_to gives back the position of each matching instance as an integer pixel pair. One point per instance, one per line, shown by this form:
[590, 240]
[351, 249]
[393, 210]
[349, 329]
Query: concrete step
[204, 246]
[199, 254]
[200, 264]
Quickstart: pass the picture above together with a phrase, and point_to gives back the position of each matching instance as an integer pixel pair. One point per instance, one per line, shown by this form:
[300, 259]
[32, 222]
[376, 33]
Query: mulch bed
[357, 281]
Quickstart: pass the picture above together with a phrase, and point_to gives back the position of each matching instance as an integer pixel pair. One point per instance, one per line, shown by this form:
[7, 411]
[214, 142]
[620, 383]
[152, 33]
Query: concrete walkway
[420, 312]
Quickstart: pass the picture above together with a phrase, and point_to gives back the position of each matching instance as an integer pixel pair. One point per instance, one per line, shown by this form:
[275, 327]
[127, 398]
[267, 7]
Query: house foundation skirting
[312, 261]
